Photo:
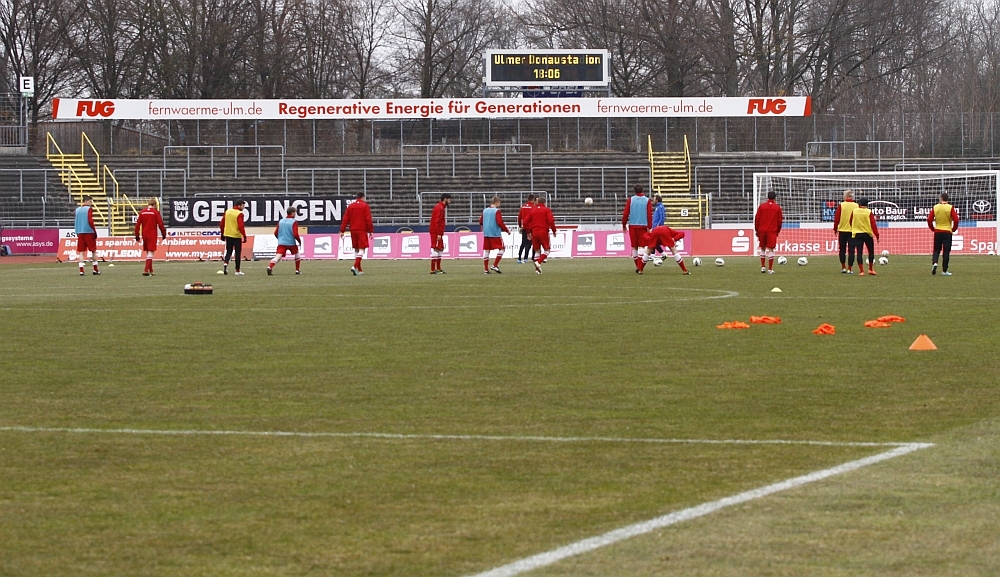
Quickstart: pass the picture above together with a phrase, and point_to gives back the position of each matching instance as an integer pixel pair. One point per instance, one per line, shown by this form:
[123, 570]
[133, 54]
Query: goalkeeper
[863, 229]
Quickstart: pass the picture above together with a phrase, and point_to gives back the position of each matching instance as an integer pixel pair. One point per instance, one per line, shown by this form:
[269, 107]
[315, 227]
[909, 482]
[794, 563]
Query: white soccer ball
[883, 261]
[803, 261]
[588, 201]
[885, 253]
[696, 261]
[991, 253]
[657, 261]
[782, 260]
[719, 262]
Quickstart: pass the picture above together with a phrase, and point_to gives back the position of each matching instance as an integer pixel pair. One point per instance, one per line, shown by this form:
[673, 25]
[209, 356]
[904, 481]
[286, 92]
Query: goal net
[900, 202]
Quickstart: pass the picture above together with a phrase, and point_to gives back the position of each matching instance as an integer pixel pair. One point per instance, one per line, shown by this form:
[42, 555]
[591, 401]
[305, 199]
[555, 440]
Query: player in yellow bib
[943, 220]
[234, 233]
[864, 231]
[842, 228]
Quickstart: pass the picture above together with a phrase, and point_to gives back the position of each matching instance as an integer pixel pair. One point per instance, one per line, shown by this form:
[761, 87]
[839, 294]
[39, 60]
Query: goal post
[899, 200]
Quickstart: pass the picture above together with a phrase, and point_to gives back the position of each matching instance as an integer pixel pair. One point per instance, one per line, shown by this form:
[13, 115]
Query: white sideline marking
[586, 545]
[432, 437]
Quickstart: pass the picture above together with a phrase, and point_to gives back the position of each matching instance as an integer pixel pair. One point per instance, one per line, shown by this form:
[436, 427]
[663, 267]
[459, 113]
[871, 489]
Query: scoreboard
[547, 68]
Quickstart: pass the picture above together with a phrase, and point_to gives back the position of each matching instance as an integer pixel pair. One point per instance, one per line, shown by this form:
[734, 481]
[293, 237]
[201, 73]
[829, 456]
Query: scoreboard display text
[547, 68]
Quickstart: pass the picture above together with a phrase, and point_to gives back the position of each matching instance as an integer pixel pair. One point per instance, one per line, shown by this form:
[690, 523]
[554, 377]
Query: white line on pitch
[432, 437]
[586, 545]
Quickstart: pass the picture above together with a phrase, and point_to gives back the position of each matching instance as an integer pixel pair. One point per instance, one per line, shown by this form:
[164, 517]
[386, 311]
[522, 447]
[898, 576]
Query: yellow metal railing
[121, 204]
[85, 140]
[652, 165]
[69, 175]
[687, 160]
[652, 159]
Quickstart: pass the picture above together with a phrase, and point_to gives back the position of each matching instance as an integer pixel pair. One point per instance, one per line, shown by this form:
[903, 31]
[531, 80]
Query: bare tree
[33, 46]
[441, 43]
[366, 38]
[108, 42]
[323, 70]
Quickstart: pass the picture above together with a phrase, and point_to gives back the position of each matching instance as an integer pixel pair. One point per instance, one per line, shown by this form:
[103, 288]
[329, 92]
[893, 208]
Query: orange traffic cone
[923, 343]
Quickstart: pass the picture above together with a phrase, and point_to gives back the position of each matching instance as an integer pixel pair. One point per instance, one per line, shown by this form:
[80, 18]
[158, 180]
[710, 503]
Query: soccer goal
[900, 201]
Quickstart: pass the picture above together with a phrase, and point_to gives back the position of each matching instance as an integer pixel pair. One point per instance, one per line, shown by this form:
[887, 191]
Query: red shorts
[286, 248]
[768, 240]
[359, 240]
[492, 243]
[635, 234]
[149, 244]
[437, 242]
[539, 239]
[86, 241]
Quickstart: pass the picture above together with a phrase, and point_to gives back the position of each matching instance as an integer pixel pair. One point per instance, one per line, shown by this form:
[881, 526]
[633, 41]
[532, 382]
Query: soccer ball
[657, 261]
[991, 253]
[696, 261]
[885, 253]
[782, 260]
[588, 201]
[883, 261]
[719, 262]
[803, 261]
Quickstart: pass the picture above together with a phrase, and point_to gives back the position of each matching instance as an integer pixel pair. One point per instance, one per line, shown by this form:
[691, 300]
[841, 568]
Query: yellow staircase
[670, 174]
[111, 208]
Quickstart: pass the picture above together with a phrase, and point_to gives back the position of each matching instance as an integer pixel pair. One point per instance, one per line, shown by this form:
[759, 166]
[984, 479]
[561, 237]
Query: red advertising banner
[589, 243]
[423, 108]
[820, 241]
[31, 240]
[173, 248]
[393, 246]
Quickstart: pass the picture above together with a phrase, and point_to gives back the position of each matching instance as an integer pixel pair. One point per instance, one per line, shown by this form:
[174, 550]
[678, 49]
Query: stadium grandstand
[405, 160]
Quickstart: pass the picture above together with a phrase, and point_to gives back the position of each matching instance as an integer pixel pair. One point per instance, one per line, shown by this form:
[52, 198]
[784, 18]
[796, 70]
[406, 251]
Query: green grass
[587, 349]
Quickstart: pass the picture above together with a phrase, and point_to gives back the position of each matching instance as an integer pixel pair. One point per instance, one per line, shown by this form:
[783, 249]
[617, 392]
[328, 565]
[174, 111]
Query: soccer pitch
[451, 424]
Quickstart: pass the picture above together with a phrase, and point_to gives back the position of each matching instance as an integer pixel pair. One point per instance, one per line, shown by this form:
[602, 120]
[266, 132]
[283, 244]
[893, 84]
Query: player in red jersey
[658, 239]
[636, 218]
[358, 220]
[493, 226]
[437, 232]
[146, 226]
[540, 222]
[767, 224]
[522, 215]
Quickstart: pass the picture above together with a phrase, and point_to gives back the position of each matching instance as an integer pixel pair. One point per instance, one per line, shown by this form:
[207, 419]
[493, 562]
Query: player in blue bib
[493, 227]
[636, 217]
[289, 241]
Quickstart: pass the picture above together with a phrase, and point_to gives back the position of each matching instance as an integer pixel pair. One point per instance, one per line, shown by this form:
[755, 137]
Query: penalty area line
[627, 532]
[445, 437]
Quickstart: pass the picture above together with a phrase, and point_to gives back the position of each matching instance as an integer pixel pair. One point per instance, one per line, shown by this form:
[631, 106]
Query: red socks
[496, 262]
[770, 264]
[486, 264]
[357, 264]
[762, 259]
[683, 268]
[149, 265]
[297, 262]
